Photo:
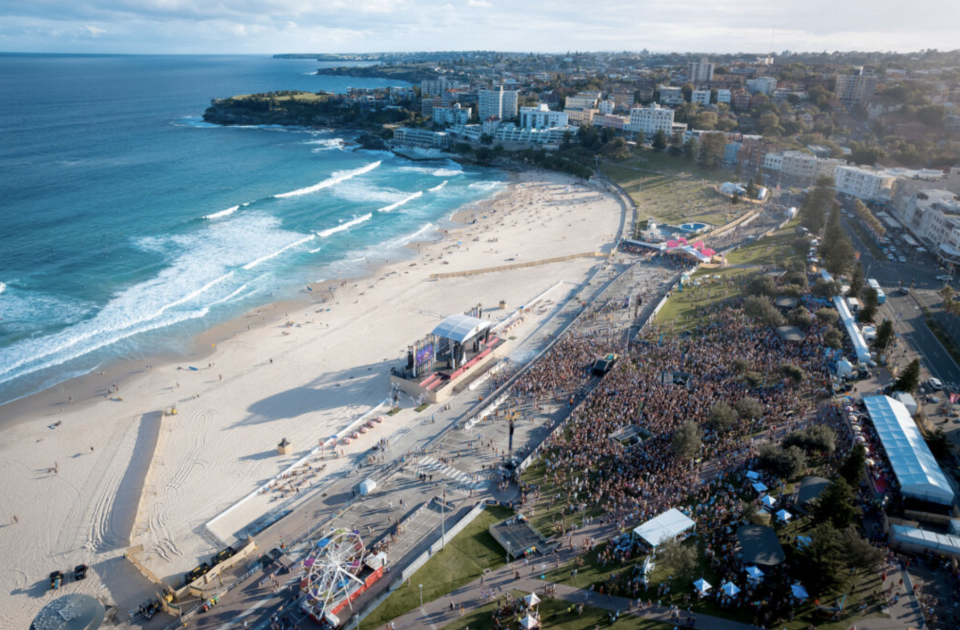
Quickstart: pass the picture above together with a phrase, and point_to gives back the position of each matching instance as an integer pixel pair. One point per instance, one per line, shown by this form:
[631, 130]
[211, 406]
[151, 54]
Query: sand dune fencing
[523, 265]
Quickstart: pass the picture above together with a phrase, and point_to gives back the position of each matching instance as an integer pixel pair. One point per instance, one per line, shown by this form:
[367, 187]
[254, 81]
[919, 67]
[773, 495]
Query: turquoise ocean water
[127, 225]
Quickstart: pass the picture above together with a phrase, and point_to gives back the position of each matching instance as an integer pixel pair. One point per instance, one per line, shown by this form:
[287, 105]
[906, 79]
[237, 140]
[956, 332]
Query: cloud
[271, 26]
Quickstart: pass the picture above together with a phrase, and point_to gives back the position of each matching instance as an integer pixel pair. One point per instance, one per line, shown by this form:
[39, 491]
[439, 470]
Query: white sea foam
[204, 269]
[326, 144]
[263, 259]
[446, 172]
[223, 213]
[397, 204]
[3, 287]
[314, 251]
[403, 240]
[345, 226]
[436, 188]
[336, 178]
[484, 185]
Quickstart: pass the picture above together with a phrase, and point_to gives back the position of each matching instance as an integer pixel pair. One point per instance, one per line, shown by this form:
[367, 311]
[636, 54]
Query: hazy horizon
[364, 26]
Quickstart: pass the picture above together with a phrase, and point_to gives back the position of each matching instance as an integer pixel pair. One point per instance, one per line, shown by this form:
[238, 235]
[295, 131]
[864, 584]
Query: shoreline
[90, 388]
[133, 478]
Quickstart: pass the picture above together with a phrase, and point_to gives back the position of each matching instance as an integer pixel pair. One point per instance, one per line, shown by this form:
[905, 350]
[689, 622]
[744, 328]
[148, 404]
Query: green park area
[712, 285]
[668, 189]
[464, 560]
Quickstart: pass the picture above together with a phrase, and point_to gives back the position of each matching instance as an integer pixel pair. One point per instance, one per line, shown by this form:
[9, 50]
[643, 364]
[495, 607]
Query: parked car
[934, 384]
[902, 259]
[944, 278]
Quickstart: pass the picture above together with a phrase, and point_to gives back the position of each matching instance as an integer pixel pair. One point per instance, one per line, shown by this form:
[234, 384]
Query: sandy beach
[93, 467]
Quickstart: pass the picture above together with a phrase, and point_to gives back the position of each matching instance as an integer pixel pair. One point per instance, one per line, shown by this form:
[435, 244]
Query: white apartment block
[864, 182]
[541, 117]
[670, 95]
[583, 100]
[800, 168]
[490, 125]
[762, 85]
[452, 115]
[606, 107]
[700, 71]
[499, 102]
[408, 137]
[934, 215]
[700, 96]
[723, 96]
[512, 133]
[650, 120]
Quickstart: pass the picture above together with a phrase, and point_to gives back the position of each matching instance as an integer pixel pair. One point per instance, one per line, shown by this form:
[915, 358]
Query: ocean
[129, 225]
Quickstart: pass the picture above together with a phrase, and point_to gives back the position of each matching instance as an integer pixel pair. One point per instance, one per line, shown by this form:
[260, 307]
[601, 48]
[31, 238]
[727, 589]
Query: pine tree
[909, 379]
[659, 140]
[836, 505]
[870, 303]
[852, 467]
[884, 335]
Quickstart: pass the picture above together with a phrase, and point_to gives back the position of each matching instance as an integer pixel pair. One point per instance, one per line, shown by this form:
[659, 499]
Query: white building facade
[498, 102]
[541, 117]
[670, 95]
[700, 71]
[650, 120]
[864, 182]
[452, 115]
[700, 96]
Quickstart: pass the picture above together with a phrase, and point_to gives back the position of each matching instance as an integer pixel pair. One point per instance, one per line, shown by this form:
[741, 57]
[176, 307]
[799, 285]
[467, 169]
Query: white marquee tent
[916, 469]
[662, 528]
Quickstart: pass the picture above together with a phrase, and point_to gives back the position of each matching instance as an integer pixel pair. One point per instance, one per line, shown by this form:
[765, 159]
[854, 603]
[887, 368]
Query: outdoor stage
[459, 350]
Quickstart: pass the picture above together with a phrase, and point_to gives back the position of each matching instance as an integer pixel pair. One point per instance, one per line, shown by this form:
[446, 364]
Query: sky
[318, 26]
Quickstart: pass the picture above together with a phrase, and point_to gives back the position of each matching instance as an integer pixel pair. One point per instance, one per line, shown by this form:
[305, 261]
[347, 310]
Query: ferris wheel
[332, 570]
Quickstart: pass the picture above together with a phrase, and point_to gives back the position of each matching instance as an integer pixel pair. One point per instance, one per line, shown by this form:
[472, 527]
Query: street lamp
[508, 552]
[421, 597]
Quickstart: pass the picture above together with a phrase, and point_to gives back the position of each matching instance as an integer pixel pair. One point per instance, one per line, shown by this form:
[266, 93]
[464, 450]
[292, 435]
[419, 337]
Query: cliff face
[276, 108]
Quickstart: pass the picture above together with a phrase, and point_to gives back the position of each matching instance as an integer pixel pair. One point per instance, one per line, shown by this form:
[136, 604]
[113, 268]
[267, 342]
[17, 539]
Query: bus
[881, 296]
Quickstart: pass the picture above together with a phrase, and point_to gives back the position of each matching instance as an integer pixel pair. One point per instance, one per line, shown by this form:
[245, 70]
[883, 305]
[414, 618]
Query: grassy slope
[462, 562]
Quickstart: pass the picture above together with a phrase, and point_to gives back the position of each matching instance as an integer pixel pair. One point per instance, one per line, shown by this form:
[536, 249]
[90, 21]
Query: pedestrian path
[464, 482]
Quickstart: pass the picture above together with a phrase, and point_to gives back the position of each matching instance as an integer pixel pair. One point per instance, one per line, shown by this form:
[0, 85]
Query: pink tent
[682, 241]
[698, 245]
[673, 244]
[706, 251]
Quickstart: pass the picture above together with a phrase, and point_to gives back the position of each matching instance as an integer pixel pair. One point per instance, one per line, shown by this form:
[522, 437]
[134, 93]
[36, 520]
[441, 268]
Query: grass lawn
[462, 562]
[681, 307]
[555, 614]
[776, 249]
[672, 190]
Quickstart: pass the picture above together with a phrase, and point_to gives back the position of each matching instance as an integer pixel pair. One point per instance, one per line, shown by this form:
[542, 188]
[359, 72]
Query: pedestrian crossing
[464, 482]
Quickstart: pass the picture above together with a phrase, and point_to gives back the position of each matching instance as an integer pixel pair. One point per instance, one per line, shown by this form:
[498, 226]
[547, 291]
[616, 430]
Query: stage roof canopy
[916, 469]
[459, 328]
[662, 528]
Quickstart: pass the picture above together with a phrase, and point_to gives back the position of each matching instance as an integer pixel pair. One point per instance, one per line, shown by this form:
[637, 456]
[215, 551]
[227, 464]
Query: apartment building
[934, 216]
[762, 85]
[670, 95]
[497, 102]
[798, 168]
[856, 87]
[700, 96]
[864, 182]
[699, 72]
[412, 138]
[453, 115]
[540, 117]
[650, 120]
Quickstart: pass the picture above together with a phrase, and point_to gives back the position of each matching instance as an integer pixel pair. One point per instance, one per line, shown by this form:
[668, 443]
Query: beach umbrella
[754, 573]
[730, 589]
[531, 599]
[768, 501]
[702, 586]
[529, 622]
[799, 592]
[760, 487]
[784, 516]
